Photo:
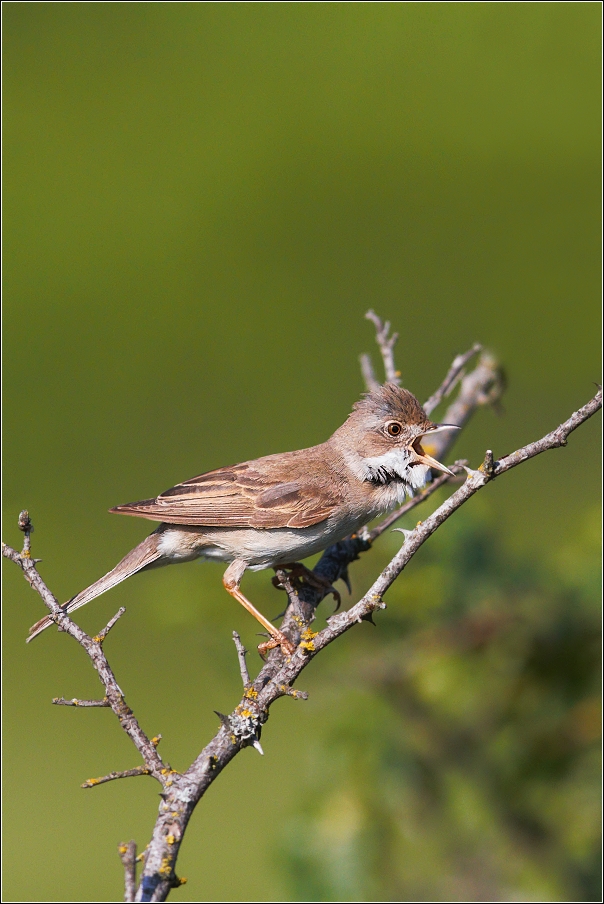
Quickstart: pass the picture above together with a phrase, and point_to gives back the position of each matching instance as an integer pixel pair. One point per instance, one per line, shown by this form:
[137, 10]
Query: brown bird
[275, 510]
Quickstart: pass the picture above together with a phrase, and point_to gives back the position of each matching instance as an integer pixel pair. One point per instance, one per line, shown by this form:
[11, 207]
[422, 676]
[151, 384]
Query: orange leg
[231, 581]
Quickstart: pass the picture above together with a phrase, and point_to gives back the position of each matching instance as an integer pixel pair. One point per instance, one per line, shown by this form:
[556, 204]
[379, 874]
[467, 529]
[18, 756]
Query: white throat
[394, 465]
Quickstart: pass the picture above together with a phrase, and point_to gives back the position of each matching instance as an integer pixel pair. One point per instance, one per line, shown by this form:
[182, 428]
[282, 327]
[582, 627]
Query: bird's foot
[299, 573]
[278, 639]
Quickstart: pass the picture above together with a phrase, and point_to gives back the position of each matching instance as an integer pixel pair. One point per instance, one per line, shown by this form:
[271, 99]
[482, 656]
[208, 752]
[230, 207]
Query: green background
[201, 200]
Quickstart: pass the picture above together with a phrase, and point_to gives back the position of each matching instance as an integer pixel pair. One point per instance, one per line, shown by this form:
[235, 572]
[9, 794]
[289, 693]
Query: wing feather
[246, 495]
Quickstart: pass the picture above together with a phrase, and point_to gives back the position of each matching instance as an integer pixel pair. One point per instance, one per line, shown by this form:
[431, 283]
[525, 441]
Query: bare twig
[482, 386]
[553, 440]
[371, 381]
[241, 653]
[386, 345]
[100, 637]
[127, 854]
[451, 379]
[27, 527]
[61, 701]
[127, 773]
[292, 692]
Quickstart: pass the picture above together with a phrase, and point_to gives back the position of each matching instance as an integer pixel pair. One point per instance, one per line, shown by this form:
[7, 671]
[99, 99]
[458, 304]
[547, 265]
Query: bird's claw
[277, 640]
[297, 571]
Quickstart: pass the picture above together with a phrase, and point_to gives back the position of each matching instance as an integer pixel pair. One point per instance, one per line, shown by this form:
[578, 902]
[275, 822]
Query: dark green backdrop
[201, 201]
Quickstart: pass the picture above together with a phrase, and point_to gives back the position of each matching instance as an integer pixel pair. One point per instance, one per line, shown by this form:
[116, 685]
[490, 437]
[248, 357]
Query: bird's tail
[142, 556]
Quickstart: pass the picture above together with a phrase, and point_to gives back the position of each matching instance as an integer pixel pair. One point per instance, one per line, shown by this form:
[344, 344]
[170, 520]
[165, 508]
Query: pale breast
[259, 548]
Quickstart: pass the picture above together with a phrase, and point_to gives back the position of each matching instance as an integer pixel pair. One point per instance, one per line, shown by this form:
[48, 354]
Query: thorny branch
[243, 726]
[94, 648]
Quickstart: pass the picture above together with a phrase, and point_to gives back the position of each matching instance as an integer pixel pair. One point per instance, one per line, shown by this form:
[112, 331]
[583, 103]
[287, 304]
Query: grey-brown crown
[390, 401]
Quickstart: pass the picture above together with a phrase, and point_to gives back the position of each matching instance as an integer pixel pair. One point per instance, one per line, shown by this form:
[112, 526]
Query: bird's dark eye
[394, 429]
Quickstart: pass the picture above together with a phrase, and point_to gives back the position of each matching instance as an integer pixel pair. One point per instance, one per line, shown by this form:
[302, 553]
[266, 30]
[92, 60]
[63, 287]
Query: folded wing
[245, 495]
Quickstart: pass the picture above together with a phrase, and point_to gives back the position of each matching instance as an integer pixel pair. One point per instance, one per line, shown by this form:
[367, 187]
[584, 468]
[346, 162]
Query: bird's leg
[297, 571]
[231, 580]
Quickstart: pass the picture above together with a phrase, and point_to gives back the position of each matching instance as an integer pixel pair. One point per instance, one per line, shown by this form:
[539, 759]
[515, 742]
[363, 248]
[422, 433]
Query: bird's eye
[394, 429]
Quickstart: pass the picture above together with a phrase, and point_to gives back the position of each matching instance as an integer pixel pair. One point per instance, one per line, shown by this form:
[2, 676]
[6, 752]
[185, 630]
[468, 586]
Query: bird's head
[382, 438]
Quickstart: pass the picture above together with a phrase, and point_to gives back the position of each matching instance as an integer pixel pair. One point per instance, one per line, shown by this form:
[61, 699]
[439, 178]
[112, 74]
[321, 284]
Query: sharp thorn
[471, 472]
[402, 530]
[224, 719]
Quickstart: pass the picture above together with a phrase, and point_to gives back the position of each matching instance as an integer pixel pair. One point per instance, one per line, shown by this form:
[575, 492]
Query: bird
[273, 511]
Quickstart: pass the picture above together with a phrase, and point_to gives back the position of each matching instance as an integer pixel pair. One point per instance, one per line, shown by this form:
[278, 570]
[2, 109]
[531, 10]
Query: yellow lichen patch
[123, 849]
[308, 645]
[96, 639]
[246, 713]
[233, 739]
[166, 866]
[251, 693]
[308, 634]
[299, 621]
[170, 839]
[155, 741]
[75, 701]
[182, 881]
[165, 771]
[91, 781]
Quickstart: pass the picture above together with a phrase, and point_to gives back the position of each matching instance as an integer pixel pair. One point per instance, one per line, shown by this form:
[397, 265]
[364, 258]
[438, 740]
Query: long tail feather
[143, 555]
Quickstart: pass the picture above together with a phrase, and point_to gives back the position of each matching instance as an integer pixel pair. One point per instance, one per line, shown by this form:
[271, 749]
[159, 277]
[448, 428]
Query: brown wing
[245, 495]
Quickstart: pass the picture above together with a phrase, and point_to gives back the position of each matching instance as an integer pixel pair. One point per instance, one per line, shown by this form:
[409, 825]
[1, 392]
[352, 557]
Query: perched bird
[275, 510]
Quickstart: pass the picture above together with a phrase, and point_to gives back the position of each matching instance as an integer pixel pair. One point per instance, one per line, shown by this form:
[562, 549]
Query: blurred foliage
[201, 200]
[459, 756]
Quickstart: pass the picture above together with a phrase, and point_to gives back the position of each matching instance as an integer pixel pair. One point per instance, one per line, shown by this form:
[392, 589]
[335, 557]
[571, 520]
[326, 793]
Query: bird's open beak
[422, 456]
[440, 428]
